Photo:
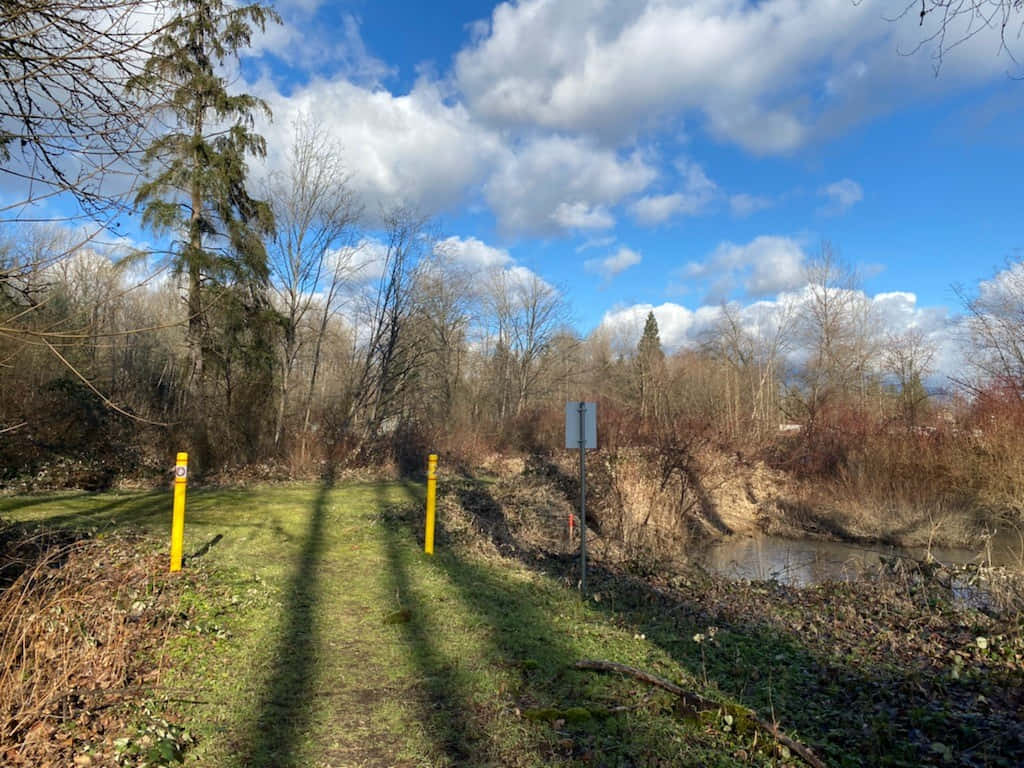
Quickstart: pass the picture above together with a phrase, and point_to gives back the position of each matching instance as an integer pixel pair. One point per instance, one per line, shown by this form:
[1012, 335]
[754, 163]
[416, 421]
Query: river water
[803, 562]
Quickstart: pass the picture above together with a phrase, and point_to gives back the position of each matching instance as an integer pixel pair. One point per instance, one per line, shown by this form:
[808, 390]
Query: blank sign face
[572, 425]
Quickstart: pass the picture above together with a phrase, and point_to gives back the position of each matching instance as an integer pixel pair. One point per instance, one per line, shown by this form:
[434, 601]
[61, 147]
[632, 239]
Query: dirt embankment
[661, 504]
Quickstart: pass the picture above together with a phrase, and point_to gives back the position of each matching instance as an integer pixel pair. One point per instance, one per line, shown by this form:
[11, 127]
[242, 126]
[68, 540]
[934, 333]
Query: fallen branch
[698, 702]
[689, 698]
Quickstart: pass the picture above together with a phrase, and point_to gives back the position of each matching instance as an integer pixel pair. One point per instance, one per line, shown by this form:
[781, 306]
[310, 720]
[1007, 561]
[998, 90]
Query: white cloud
[414, 150]
[595, 242]
[765, 266]
[744, 204]
[842, 195]
[1005, 288]
[681, 327]
[557, 183]
[696, 193]
[654, 209]
[362, 262]
[305, 6]
[615, 69]
[582, 216]
[678, 326]
[490, 263]
[423, 151]
[615, 263]
[308, 45]
[473, 252]
[523, 278]
[898, 312]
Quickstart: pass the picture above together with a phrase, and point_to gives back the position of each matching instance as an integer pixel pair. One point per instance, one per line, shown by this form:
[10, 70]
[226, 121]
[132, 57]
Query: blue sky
[644, 154]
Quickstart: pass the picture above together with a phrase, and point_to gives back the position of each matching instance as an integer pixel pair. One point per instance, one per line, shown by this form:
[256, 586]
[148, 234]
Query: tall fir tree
[199, 189]
[650, 359]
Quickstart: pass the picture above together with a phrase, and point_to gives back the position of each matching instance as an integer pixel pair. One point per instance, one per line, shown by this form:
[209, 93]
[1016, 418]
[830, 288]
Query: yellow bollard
[428, 539]
[178, 521]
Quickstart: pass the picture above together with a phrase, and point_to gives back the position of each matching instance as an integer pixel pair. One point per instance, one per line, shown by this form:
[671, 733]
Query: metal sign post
[583, 498]
[581, 433]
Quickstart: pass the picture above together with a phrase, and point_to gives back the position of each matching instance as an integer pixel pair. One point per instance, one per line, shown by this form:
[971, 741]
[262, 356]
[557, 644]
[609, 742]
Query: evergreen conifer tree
[199, 190]
[650, 359]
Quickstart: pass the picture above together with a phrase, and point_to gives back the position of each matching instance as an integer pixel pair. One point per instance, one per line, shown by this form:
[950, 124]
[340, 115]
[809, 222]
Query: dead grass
[82, 624]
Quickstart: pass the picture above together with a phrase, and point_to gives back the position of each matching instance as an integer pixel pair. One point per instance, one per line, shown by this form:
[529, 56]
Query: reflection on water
[805, 562]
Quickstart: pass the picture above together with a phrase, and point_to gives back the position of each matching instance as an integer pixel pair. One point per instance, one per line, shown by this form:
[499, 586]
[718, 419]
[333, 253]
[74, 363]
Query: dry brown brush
[950, 481]
[82, 627]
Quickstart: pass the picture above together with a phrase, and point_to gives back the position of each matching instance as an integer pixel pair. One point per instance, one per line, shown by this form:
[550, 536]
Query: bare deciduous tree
[526, 312]
[310, 255]
[445, 295]
[908, 358]
[838, 329]
[69, 127]
[754, 347]
[948, 24]
[995, 324]
[66, 118]
[389, 357]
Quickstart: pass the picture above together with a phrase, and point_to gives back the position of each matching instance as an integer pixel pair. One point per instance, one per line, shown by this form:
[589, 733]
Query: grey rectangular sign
[572, 425]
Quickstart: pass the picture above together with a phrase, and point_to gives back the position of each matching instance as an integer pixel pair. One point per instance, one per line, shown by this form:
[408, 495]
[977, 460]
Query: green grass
[321, 635]
[325, 637]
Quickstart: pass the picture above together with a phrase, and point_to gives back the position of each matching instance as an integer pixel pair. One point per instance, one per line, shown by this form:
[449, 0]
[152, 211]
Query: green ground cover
[321, 635]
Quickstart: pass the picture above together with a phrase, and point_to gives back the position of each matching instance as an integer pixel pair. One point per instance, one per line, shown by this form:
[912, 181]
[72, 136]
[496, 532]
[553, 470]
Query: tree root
[699, 703]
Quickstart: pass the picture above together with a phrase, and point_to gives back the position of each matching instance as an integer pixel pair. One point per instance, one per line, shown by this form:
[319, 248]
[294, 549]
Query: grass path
[326, 638]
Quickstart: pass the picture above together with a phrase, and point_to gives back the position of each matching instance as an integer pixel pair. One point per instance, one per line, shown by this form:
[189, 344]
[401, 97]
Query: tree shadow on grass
[514, 696]
[442, 698]
[129, 509]
[283, 713]
[151, 511]
[18, 503]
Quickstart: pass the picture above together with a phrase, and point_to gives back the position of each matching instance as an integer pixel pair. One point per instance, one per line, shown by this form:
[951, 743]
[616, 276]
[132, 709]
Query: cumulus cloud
[678, 326]
[336, 49]
[696, 193]
[360, 263]
[556, 183]
[473, 252]
[524, 279]
[423, 151]
[1005, 287]
[613, 69]
[899, 311]
[582, 216]
[681, 327]
[654, 209]
[842, 195]
[414, 150]
[488, 262]
[766, 265]
[743, 204]
[613, 264]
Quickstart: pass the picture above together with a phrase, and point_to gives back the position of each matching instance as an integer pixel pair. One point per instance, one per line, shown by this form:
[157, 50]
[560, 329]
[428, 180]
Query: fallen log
[697, 702]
